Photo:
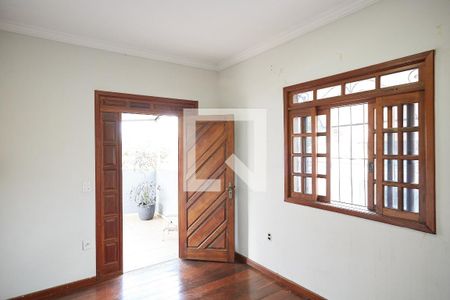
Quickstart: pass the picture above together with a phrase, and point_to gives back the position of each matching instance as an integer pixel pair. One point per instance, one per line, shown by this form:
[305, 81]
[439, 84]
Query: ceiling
[208, 34]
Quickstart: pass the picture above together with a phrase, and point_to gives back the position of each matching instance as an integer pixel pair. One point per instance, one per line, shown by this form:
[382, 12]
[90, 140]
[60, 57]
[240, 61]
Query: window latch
[371, 167]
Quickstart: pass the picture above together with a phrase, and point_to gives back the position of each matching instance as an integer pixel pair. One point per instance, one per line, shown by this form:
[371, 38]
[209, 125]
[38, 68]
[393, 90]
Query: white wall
[339, 256]
[47, 150]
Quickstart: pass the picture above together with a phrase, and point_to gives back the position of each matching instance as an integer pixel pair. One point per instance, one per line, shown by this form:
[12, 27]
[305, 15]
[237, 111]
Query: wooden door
[206, 207]
[109, 195]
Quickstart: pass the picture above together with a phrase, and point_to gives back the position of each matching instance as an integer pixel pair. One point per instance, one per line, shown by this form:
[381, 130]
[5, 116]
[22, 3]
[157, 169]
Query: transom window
[362, 143]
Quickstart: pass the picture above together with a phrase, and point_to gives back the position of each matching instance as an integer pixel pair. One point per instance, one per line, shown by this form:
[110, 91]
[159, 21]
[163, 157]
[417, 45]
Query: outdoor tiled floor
[145, 243]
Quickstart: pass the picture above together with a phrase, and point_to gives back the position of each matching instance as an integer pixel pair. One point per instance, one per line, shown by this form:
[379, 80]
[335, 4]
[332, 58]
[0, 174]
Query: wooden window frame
[426, 218]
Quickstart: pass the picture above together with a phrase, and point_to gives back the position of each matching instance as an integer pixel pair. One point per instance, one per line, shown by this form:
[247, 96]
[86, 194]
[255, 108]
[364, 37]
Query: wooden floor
[179, 279]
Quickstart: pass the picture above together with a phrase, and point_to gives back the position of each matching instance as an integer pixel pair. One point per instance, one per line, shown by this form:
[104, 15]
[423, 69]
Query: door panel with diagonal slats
[207, 211]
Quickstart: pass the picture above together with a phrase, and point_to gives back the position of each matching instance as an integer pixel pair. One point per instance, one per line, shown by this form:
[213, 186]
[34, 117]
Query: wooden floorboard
[183, 279]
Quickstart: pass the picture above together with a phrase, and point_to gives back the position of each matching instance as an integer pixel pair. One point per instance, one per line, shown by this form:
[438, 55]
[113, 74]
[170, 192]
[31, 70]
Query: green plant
[144, 194]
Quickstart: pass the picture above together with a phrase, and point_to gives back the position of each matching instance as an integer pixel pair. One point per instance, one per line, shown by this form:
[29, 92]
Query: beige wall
[339, 256]
[47, 150]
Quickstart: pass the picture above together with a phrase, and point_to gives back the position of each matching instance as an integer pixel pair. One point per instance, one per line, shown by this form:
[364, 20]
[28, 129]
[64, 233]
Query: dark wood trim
[357, 97]
[112, 102]
[362, 213]
[289, 284]
[429, 141]
[362, 72]
[424, 62]
[59, 290]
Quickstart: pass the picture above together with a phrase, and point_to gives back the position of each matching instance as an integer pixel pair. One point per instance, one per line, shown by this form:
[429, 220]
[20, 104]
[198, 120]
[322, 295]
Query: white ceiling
[209, 34]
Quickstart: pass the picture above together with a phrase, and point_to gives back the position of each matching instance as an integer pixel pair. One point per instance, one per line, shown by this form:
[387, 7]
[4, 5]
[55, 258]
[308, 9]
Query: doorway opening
[149, 189]
[205, 218]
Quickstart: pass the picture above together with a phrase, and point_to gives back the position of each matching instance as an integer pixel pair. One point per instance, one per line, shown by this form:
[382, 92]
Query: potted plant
[144, 194]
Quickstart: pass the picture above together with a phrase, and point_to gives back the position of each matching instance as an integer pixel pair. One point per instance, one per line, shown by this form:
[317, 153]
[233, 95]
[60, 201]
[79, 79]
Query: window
[362, 143]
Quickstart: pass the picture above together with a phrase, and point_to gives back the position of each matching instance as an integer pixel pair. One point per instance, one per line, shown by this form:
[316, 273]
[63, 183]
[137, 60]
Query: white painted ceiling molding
[212, 58]
[319, 21]
[38, 32]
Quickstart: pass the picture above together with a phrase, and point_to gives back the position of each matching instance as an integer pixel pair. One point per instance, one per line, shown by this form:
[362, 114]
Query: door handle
[230, 190]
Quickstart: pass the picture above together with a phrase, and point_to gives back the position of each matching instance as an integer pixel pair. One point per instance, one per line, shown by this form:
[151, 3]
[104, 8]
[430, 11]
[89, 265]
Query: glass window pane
[321, 186]
[411, 200]
[374, 119]
[297, 126]
[345, 115]
[345, 181]
[385, 117]
[390, 170]
[402, 77]
[411, 171]
[359, 182]
[375, 193]
[359, 141]
[394, 116]
[411, 115]
[375, 168]
[297, 164]
[308, 144]
[322, 165]
[334, 147]
[345, 144]
[374, 143]
[411, 143]
[321, 123]
[297, 184]
[358, 113]
[360, 86]
[348, 138]
[297, 142]
[334, 117]
[365, 140]
[328, 92]
[303, 97]
[334, 180]
[308, 165]
[322, 144]
[308, 185]
[307, 124]
[391, 197]
[391, 143]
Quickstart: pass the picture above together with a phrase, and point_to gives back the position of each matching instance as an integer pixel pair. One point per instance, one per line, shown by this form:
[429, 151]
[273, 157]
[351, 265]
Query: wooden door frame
[129, 103]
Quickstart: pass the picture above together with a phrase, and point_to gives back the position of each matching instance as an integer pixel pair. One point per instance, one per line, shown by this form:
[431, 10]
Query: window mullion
[370, 157]
[400, 152]
[314, 152]
[328, 167]
[379, 156]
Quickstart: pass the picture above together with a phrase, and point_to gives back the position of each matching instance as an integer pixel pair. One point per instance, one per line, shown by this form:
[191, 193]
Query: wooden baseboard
[67, 288]
[59, 290]
[289, 284]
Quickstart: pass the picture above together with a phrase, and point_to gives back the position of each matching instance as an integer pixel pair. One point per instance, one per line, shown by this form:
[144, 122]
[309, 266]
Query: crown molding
[319, 21]
[325, 18]
[39, 32]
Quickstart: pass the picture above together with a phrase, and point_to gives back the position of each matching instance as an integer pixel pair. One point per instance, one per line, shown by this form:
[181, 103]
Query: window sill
[362, 213]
